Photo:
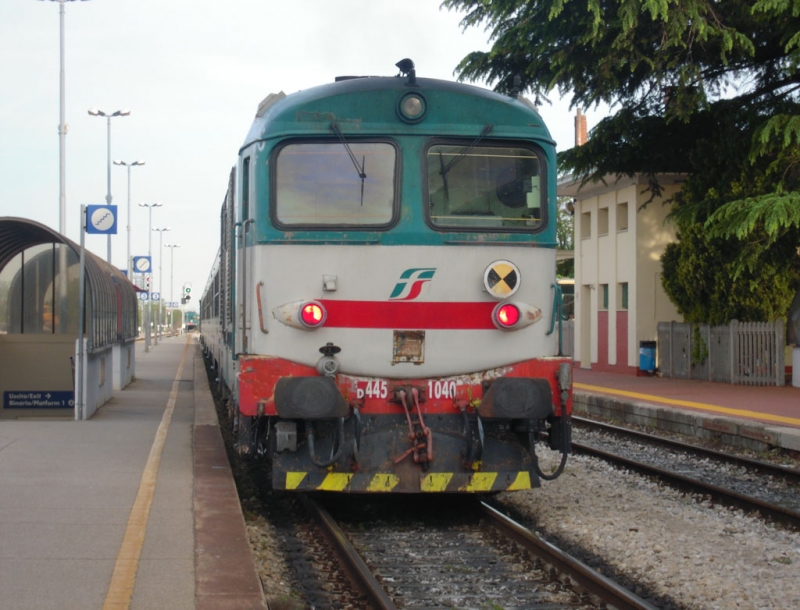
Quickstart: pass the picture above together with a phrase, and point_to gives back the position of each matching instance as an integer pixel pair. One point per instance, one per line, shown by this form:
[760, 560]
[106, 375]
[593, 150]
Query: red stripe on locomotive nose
[402, 314]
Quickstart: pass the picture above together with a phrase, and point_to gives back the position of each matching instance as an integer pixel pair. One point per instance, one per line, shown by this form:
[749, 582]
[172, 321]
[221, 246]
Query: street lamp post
[129, 166]
[62, 171]
[148, 315]
[96, 112]
[160, 278]
[171, 269]
[62, 127]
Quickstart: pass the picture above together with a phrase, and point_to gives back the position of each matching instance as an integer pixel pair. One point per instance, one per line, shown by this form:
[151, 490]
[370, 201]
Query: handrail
[260, 312]
[243, 236]
[234, 319]
[556, 315]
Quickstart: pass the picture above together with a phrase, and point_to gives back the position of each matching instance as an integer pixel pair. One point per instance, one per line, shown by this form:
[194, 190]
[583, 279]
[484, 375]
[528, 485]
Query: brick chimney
[580, 128]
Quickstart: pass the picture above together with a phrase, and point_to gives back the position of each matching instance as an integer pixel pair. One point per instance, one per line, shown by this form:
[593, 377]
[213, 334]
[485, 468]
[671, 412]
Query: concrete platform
[135, 508]
[753, 417]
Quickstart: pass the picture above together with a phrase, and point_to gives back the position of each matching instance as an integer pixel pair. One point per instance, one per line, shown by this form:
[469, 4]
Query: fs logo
[410, 285]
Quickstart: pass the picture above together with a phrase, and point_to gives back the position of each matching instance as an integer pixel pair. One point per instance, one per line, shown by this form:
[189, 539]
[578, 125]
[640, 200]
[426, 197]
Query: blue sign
[156, 296]
[101, 219]
[142, 264]
[143, 296]
[38, 400]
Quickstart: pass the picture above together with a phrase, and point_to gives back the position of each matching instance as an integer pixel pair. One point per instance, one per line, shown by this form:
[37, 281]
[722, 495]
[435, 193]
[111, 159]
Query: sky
[192, 74]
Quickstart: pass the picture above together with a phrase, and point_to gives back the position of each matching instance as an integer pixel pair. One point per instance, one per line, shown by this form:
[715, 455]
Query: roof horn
[406, 67]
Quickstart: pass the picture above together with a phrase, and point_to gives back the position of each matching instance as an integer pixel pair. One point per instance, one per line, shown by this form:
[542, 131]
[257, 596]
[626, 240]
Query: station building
[620, 235]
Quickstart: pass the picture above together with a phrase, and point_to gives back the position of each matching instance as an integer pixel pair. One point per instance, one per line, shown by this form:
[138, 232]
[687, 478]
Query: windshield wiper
[466, 151]
[359, 168]
[443, 171]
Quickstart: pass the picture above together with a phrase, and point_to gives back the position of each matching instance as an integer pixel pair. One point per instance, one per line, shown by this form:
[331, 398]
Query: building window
[604, 295]
[586, 225]
[622, 217]
[602, 221]
[623, 295]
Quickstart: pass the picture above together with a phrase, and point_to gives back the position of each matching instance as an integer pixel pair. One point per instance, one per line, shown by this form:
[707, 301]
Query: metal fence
[747, 353]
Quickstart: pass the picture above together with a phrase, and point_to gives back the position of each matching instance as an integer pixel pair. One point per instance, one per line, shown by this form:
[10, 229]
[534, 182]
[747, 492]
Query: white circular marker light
[412, 108]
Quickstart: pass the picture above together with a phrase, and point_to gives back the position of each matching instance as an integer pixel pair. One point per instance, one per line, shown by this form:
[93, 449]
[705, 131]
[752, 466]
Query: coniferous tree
[708, 88]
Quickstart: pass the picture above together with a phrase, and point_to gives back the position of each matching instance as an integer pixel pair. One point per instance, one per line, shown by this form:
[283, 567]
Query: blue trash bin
[647, 356]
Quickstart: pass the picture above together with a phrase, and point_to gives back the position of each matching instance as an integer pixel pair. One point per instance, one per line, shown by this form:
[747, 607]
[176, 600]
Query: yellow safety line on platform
[691, 405]
[123, 579]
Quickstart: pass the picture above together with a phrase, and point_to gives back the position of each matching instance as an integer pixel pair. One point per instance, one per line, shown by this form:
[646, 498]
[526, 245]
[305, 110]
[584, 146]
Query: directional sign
[38, 400]
[142, 264]
[101, 219]
[156, 296]
[142, 296]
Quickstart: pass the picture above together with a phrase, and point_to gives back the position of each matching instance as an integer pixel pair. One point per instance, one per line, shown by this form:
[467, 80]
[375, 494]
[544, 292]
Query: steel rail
[358, 571]
[774, 469]
[604, 588]
[720, 494]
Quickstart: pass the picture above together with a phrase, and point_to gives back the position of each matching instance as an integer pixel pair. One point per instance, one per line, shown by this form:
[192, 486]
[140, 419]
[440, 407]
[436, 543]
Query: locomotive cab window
[485, 187]
[329, 184]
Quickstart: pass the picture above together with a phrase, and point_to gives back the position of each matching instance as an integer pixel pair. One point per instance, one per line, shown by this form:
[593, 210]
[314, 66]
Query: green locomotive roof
[369, 105]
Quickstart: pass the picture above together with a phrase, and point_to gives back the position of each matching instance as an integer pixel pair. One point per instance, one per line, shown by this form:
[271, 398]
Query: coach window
[485, 187]
[246, 189]
[322, 184]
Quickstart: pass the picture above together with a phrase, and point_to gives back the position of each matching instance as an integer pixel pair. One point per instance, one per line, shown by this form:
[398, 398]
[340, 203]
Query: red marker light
[506, 315]
[312, 314]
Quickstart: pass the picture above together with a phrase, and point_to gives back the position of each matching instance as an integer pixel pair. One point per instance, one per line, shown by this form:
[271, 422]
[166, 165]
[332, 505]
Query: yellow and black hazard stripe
[431, 482]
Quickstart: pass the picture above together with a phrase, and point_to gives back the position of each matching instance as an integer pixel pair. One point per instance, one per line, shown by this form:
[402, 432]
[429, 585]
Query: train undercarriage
[342, 434]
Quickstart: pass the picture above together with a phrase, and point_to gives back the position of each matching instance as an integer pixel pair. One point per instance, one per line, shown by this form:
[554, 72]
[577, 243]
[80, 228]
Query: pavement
[754, 417]
[135, 508]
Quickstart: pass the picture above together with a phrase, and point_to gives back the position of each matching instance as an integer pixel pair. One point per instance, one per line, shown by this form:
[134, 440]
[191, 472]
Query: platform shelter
[39, 321]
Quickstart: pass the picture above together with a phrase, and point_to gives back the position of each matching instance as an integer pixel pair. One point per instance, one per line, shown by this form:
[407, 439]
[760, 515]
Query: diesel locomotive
[382, 315]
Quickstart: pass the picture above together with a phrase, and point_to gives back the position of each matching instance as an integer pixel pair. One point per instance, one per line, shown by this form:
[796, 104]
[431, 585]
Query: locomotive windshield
[484, 187]
[321, 184]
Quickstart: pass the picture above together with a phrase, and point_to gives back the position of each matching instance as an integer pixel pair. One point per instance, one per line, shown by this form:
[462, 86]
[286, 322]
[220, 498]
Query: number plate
[409, 346]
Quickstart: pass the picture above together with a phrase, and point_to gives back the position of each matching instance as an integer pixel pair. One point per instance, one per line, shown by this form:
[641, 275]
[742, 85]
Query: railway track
[475, 558]
[751, 485]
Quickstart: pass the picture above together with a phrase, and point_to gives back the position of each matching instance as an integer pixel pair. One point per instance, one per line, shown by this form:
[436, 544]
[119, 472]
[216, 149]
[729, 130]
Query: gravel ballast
[662, 542]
